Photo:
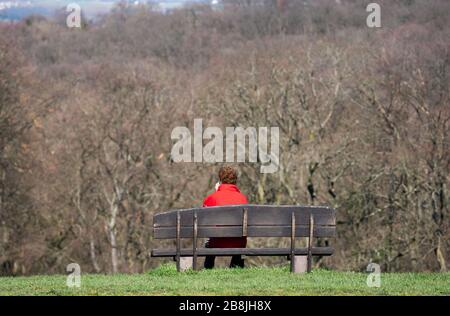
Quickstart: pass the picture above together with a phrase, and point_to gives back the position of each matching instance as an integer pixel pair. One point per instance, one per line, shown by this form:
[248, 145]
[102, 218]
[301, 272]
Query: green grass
[252, 281]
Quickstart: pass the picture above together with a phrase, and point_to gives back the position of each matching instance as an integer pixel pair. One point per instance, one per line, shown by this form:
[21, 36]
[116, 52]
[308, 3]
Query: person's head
[228, 175]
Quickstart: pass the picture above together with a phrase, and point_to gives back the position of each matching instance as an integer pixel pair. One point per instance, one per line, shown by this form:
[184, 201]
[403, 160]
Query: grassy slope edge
[252, 281]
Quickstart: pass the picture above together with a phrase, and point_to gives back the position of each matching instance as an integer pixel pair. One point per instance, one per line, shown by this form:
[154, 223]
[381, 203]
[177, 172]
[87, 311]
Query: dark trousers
[236, 261]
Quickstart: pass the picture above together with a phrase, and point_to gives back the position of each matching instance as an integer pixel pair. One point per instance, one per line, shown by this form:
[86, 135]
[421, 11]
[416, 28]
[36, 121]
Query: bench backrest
[246, 220]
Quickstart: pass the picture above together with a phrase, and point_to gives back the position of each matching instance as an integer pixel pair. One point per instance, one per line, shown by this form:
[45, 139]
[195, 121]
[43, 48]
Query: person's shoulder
[210, 200]
[244, 198]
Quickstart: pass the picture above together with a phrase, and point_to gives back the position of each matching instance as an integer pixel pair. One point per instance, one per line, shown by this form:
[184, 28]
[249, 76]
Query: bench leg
[186, 263]
[310, 242]
[177, 257]
[194, 242]
[293, 268]
[301, 264]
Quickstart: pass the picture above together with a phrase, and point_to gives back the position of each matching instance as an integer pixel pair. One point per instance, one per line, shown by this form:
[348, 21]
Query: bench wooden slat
[257, 215]
[236, 231]
[187, 252]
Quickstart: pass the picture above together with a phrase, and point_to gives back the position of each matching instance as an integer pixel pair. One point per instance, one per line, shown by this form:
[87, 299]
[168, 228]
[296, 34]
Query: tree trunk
[113, 239]
[440, 256]
[92, 254]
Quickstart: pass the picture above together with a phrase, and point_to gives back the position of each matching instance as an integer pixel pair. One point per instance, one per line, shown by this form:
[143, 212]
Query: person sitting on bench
[227, 193]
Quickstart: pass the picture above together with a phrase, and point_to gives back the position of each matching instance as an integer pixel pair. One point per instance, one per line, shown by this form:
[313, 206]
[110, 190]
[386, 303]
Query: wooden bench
[245, 221]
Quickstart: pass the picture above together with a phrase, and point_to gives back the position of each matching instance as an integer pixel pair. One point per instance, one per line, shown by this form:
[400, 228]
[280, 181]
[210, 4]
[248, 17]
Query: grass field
[253, 281]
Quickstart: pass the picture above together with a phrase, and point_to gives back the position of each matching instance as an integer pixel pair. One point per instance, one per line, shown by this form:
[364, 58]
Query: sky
[17, 9]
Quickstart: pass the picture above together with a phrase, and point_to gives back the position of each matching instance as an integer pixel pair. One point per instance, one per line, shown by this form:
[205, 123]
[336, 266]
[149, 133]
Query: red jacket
[227, 194]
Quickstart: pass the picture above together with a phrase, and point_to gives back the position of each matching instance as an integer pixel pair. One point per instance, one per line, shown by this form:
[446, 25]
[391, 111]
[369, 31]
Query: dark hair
[228, 175]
